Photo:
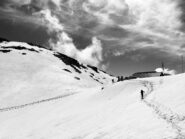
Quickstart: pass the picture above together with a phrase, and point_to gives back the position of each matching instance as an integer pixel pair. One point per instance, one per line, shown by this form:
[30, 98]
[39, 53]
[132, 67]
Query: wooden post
[162, 64]
[182, 60]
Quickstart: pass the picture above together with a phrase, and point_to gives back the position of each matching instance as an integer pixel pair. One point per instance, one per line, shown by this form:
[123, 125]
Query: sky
[120, 36]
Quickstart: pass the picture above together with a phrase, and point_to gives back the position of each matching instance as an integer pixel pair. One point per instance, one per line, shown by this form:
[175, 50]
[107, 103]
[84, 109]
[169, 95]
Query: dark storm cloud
[142, 60]
[122, 26]
[27, 7]
[3, 3]
[113, 32]
[17, 32]
[106, 19]
[17, 23]
[80, 40]
[182, 6]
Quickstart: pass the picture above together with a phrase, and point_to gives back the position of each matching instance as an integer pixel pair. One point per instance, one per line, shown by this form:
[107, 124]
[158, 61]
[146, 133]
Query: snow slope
[116, 112]
[30, 73]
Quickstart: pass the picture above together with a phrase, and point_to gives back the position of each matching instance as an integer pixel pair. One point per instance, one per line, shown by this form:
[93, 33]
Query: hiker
[142, 94]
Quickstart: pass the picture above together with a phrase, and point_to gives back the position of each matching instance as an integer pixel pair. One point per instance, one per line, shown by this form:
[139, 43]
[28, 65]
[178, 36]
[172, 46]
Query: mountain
[33, 73]
[45, 94]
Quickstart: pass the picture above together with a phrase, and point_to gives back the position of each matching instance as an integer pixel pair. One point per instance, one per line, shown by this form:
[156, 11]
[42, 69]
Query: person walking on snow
[142, 94]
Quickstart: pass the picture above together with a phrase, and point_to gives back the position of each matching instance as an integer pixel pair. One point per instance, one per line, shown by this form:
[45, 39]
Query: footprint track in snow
[34, 103]
[164, 112]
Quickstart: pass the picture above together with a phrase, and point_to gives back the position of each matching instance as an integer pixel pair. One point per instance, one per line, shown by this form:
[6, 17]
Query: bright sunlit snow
[43, 97]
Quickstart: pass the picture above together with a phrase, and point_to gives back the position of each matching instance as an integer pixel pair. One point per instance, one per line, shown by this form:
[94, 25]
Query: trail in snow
[34, 103]
[164, 112]
[169, 116]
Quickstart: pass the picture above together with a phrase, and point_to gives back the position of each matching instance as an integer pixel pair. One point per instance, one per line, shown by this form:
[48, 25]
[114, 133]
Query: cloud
[159, 21]
[91, 54]
[19, 2]
[121, 25]
[107, 11]
[64, 43]
[153, 19]
[50, 21]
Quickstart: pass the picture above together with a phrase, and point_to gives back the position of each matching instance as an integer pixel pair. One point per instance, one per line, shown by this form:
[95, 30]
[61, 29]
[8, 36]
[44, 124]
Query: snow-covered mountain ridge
[47, 101]
[35, 72]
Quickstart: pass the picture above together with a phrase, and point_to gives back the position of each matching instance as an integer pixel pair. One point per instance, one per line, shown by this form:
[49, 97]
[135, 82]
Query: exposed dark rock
[93, 68]
[98, 81]
[83, 66]
[20, 48]
[5, 51]
[70, 61]
[77, 78]
[34, 44]
[2, 40]
[95, 79]
[76, 69]
[103, 71]
[67, 70]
